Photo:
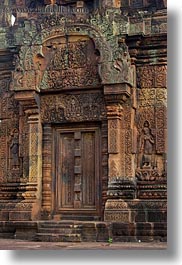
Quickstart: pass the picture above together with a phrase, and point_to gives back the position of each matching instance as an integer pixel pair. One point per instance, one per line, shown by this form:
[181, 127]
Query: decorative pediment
[67, 52]
[70, 64]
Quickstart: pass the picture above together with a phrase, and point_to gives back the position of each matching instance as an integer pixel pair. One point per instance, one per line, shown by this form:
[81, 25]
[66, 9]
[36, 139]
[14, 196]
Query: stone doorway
[77, 173]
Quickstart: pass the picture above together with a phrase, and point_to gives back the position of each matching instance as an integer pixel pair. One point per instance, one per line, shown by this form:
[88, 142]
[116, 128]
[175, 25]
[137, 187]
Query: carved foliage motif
[161, 128]
[129, 141]
[152, 76]
[145, 114]
[151, 97]
[113, 146]
[60, 108]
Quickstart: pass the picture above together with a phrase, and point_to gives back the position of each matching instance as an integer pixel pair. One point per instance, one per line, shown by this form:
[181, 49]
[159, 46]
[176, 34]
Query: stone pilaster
[120, 186]
[47, 172]
[28, 208]
[35, 162]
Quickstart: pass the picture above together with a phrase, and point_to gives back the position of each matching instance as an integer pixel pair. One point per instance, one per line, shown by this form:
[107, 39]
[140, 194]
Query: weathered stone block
[102, 232]
[123, 229]
[157, 216]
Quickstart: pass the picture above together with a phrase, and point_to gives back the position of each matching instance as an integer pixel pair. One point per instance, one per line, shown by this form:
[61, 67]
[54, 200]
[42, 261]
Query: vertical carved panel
[33, 170]
[129, 142]
[113, 136]
[47, 169]
[67, 170]
[9, 123]
[161, 129]
[24, 143]
[88, 171]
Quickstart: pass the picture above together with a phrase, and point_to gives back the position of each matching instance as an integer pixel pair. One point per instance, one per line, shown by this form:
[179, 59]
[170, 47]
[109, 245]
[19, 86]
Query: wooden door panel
[88, 168]
[77, 163]
[66, 178]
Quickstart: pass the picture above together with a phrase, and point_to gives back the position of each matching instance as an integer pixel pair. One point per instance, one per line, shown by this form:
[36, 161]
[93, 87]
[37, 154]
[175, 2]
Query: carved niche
[9, 111]
[151, 161]
[146, 146]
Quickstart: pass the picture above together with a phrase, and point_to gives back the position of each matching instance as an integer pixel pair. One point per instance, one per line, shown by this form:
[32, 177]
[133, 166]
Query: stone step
[7, 235]
[59, 230]
[48, 237]
[59, 225]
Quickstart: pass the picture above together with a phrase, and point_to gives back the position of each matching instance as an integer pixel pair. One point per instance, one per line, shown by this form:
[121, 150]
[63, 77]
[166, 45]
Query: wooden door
[77, 153]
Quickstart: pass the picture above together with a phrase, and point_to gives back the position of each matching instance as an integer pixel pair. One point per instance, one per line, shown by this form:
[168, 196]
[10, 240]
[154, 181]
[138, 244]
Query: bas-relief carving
[151, 164]
[73, 64]
[151, 76]
[116, 216]
[152, 101]
[114, 64]
[146, 146]
[9, 111]
[81, 107]
[14, 150]
[152, 97]
[114, 134]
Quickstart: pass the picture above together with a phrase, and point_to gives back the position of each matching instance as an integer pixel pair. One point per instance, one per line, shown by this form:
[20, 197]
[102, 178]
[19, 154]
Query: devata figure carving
[14, 150]
[146, 145]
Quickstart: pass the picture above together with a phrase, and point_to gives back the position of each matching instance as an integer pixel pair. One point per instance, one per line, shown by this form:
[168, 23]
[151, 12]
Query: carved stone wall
[107, 67]
[10, 166]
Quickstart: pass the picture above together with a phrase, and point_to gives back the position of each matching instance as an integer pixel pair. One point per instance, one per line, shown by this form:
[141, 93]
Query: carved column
[47, 168]
[35, 162]
[120, 186]
[114, 115]
[29, 206]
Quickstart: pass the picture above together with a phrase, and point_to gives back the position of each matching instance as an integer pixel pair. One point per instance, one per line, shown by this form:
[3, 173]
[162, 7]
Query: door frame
[87, 214]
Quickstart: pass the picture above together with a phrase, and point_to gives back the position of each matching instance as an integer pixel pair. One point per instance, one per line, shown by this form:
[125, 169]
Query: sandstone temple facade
[83, 130]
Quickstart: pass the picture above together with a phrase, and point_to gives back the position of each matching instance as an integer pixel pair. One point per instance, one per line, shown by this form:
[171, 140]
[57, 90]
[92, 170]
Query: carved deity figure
[14, 150]
[146, 145]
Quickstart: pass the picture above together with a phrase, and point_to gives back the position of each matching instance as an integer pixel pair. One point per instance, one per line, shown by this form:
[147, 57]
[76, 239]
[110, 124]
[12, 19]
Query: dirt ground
[13, 244]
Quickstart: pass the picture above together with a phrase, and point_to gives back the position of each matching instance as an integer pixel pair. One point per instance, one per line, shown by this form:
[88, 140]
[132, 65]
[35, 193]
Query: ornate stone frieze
[135, 204]
[119, 187]
[81, 107]
[162, 194]
[150, 175]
